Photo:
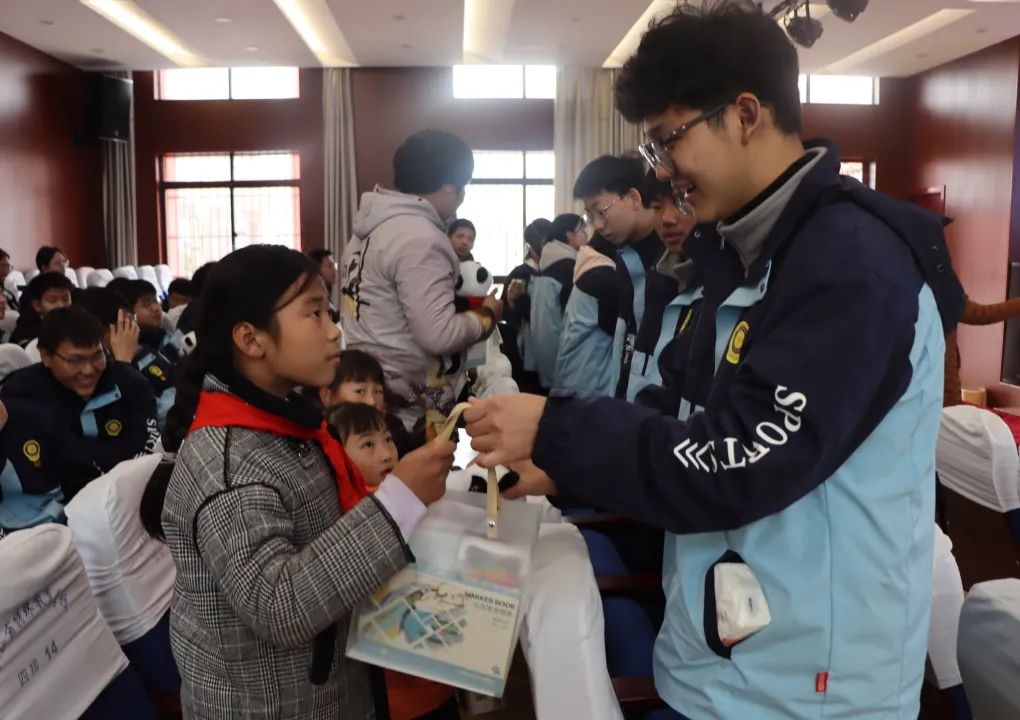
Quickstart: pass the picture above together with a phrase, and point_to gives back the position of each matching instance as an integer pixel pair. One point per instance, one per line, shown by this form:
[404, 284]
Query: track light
[805, 30]
[847, 9]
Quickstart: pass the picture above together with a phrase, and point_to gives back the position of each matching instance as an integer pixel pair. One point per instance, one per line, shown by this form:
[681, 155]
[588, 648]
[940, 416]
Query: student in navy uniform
[69, 419]
[673, 293]
[617, 203]
[802, 464]
[550, 290]
[45, 293]
[5, 270]
[188, 319]
[327, 271]
[144, 305]
[462, 236]
[111, 309]
[515, 329]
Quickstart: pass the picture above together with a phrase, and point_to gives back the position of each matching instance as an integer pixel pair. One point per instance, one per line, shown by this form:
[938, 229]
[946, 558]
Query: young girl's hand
[424, 471]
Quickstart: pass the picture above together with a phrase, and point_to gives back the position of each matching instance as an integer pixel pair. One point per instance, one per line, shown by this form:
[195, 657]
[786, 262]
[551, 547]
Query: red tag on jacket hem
[821, 682]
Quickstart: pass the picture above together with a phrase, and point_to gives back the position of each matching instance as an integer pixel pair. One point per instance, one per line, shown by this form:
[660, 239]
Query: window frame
[158, 88]
[524, 182]
[163, 185]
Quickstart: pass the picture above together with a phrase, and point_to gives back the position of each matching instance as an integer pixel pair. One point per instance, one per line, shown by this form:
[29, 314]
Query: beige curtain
[341, 179]
[119, 218]
[586, 126]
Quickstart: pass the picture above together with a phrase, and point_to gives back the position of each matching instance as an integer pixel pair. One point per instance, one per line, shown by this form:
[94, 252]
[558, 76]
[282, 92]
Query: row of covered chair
[86, 610]
[159, 276]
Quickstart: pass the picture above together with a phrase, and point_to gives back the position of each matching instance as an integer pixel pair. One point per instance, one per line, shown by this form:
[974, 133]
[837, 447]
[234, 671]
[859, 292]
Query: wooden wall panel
[965, 138]
[50, 182]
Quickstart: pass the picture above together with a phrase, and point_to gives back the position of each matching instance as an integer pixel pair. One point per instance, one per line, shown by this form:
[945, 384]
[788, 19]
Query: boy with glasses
[794, 472]
[600, 324]
[69, 419]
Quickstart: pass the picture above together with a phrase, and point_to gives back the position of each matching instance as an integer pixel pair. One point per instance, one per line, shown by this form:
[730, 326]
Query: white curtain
[119, 218]
[341, 179]
[586, 126]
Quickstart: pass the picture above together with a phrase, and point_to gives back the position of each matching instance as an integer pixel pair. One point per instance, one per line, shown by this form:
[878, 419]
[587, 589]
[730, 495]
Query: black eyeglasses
[96, 359]
[656, 151]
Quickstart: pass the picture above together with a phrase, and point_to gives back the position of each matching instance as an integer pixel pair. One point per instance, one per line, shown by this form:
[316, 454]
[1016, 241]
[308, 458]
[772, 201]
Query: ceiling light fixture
[129, 17]
[848, 9]
[314, 22]
[804, 29]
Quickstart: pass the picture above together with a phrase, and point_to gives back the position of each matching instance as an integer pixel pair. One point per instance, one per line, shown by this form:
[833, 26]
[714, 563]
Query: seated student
[123, 341]
[327, 269]
[673, 293]
[178, 294]
[51, 259]
[5, 270]
[188, 318]
[550, 290]
[462, 235]
[45, 293]
[273, 533]
[144, 305]
[367, 441]
[69, 419]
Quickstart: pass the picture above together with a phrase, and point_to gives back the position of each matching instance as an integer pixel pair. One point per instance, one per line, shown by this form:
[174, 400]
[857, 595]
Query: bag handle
[492, 496]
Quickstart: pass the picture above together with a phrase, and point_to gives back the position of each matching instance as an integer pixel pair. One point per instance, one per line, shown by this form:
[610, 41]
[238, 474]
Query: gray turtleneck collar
[680, 269]
[748, 233]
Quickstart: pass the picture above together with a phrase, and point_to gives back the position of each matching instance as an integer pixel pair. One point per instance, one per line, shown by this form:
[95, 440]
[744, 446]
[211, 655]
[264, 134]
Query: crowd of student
[728, 382]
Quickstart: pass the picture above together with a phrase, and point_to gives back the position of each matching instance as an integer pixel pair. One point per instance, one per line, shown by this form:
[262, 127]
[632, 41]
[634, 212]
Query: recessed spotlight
[982, 31]
[98, 51]
[223, 20]
[251, 48]
[406, 46]
[922, 55]
[575, 18]
[45, 22]
[399, 17]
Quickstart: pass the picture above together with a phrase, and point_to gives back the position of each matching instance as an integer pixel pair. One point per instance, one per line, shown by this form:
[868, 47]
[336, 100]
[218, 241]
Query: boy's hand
[424, 471]
[124, 337]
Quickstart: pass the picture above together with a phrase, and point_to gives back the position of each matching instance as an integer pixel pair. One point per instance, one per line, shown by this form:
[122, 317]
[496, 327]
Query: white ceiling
[430, 32]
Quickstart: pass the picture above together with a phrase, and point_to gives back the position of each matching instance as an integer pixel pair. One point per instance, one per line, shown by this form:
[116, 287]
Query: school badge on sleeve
[114, 428]
[737, 343]
[33, 452]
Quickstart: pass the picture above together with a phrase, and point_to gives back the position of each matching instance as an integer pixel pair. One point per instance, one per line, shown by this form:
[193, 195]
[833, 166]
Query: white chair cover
[12, 357]
[72, 275]
[147, 272]
[99, 278]
[9, 321]
[947, 599]
[31, 274]
[127, 271]
[989, 649]
[165, 276]
[14, 282]
[83, 275]
[32, 350]
[56, 653]
[131, 574]
[977, 458]
[562, 634]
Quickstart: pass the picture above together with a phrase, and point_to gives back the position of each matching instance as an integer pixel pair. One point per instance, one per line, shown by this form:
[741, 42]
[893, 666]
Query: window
[839, 89]
[860, 170]
[509, 190]
[252, 83]
[213, 204]
[504, 81]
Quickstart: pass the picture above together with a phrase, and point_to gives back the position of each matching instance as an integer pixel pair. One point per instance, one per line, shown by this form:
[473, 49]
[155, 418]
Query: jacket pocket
[744, 606]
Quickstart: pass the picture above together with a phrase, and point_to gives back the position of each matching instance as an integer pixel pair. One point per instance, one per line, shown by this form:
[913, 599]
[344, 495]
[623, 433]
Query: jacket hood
[588, 258]
[380, 205]
[554, 252]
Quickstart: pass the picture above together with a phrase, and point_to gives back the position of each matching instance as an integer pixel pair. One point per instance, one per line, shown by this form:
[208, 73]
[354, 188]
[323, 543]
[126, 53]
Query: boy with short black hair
[179, 293]
[144, 305]
[45, 293]
[327, 270]
[128, 346]
[68, 419]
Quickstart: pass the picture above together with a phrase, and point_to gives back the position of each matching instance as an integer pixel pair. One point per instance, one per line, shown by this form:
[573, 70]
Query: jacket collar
[293, 408]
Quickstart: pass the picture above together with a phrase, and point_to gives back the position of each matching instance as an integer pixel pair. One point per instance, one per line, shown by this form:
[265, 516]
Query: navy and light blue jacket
[796, 434]
[549, 292]
[585, 362]
[158, 371]
[673, 295]
[54, 442]
[633, 264]
[518, 318]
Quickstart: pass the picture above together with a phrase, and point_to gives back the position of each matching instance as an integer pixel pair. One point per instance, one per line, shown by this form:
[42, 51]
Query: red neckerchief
[219, 409]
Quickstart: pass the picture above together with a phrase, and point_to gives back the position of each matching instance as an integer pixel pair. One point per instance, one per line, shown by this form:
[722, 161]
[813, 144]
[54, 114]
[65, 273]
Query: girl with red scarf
[274, 535]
